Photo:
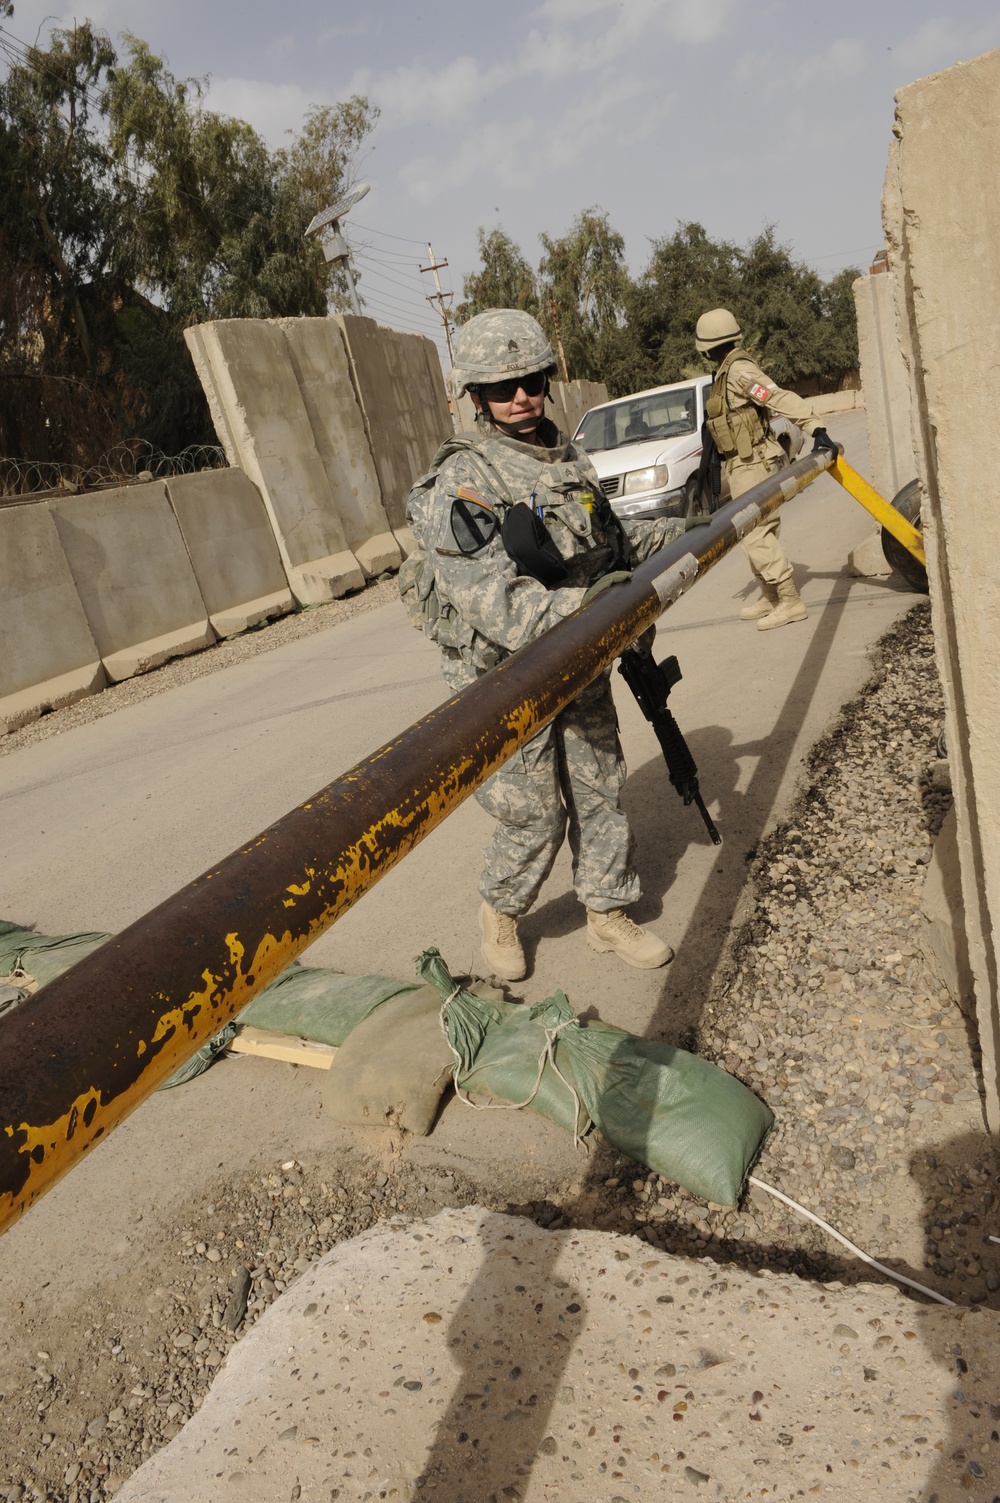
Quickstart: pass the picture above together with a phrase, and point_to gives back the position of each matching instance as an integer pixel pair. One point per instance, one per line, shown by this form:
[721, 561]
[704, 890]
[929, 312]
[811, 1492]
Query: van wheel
[907, 503]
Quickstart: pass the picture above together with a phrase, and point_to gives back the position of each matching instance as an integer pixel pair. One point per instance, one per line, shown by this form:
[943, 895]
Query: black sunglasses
[506, 391]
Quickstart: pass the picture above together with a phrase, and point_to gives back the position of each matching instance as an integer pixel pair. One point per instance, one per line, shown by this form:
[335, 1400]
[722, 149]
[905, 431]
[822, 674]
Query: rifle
[651, 683]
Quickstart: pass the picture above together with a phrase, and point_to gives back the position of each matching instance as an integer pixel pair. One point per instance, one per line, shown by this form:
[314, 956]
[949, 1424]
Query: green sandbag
[312, 1003]
[665, 1108]
[43, 956]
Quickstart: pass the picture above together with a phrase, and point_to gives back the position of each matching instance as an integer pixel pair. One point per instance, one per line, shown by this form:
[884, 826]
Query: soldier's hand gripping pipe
[651, 683]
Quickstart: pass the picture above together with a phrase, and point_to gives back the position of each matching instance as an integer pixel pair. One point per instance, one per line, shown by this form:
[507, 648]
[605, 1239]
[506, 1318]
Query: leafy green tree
[584, 286]
[505, 280]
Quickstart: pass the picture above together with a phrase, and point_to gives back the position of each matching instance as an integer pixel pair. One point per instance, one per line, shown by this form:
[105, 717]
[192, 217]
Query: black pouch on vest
[472, 526]
[527, 541]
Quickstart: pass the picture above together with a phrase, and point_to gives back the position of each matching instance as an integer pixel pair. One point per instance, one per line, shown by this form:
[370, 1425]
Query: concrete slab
[322, 369]
[867, 560]
[133, 575]
[474, 1356]
[50, 657]
[246, 370]
[886, 385]
[400, 386]
[231, 547]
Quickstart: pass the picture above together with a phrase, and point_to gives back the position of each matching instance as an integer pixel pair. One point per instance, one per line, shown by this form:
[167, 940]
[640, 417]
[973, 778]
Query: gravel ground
[824, 1004]
[238, 649]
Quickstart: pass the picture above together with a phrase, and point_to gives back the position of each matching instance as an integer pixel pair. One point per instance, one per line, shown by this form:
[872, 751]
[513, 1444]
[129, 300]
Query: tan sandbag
[393, 1068]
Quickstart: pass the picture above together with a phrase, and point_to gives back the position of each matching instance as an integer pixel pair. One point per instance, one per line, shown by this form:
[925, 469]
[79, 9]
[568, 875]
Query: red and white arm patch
[758, 393]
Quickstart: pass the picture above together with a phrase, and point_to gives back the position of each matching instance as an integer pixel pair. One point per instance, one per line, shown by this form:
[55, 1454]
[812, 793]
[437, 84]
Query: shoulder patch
[758, 393]
[466, 493]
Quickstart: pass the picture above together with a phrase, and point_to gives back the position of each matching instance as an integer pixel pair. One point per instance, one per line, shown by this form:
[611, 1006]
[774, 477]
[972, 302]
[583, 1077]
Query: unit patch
[473, 520]
[758, 393]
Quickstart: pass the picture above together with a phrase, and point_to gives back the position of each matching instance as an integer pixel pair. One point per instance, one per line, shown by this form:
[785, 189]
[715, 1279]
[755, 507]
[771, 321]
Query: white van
[646, 448]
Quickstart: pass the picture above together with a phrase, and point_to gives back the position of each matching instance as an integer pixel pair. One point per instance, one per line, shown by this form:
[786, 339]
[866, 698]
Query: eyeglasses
[506, 391]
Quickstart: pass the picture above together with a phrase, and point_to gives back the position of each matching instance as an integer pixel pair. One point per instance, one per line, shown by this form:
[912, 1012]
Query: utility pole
[559, 344]
[443, 299]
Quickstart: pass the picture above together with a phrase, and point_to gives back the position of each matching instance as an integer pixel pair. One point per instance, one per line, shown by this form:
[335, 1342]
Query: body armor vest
[735, 430]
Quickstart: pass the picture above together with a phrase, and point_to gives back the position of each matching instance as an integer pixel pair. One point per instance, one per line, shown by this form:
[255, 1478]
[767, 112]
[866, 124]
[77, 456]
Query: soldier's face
[523, 409]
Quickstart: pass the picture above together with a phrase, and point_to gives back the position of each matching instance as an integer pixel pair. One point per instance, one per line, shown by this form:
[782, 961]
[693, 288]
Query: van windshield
[659, 414]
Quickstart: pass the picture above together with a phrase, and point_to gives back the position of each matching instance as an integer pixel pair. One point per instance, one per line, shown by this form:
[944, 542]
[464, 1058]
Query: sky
[522, 113]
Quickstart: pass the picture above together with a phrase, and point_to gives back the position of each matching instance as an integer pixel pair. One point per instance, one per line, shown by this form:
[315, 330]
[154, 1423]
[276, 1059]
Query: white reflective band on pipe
[790, 488]
[672, 584]
[746, 520]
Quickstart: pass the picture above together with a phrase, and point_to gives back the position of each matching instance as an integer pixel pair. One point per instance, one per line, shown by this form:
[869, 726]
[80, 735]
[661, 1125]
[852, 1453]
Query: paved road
[106, 820]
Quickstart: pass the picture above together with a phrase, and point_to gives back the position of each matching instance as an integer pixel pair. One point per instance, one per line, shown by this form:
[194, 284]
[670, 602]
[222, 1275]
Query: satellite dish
[339, 209]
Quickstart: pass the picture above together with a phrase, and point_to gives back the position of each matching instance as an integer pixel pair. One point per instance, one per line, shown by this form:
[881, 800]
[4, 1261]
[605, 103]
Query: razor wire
[126, 463]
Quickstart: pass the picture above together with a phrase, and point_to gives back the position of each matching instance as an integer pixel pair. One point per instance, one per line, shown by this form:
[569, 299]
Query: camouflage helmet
[497, 345]
[714, 328]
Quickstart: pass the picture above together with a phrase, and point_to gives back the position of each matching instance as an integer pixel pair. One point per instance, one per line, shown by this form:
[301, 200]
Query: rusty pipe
[83, 1052]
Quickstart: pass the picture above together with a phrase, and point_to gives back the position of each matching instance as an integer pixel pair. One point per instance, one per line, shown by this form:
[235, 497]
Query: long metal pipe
[92, 1044]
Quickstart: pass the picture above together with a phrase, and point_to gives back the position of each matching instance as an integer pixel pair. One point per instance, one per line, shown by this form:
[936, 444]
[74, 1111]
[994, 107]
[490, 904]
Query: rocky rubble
[824, 1004]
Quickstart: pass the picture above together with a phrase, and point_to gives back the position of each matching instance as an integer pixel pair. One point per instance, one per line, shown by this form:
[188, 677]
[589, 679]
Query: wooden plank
[284, 1046]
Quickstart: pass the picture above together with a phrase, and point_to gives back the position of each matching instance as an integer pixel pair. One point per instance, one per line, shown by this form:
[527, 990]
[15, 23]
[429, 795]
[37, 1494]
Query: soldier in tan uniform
[741, 402]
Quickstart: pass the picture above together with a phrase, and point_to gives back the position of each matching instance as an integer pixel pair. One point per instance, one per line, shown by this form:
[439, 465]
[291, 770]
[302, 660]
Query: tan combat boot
[790, 608]
[616, 931]
[762, 607]
[502, 952]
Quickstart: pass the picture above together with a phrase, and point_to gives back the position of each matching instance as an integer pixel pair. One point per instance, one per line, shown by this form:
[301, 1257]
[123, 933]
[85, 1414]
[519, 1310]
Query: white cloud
[942, 41]
[273, 109]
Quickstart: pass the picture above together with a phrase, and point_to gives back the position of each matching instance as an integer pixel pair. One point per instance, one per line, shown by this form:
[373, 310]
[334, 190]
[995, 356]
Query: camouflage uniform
[571, 774]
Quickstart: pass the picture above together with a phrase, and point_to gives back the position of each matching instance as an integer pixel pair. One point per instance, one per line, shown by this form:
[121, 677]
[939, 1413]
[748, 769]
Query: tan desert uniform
[740, 393]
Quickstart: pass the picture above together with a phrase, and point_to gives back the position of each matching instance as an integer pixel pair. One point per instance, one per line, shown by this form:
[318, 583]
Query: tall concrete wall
[231, 547]
[260, 415]
[886, 385]
[50, 658]
[133, 576]
[400, 387]
[943, 236]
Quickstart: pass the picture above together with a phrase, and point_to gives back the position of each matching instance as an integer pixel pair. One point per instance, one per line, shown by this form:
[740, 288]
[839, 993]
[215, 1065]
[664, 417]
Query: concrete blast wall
[231, 547]
[50, 658]
[263, 422]
[398, 381]
[886, 385]
[133, 576]
[943, 236]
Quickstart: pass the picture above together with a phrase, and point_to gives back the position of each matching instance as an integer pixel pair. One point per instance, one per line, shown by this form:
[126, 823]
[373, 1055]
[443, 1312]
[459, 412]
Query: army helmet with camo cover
[716, 327]
[497, 345]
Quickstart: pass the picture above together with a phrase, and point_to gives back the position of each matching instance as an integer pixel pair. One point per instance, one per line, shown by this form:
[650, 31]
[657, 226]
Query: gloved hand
[621, 576]
[698, 521]
[823, 443]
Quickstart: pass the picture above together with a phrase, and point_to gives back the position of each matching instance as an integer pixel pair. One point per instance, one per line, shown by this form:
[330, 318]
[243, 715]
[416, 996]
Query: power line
[406, 239]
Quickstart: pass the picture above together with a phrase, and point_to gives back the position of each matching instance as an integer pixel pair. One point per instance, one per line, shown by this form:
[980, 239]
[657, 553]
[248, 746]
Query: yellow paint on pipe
[884, 513]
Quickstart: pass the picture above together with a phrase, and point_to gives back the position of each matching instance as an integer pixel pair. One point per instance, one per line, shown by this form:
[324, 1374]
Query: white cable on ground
[865, 1257]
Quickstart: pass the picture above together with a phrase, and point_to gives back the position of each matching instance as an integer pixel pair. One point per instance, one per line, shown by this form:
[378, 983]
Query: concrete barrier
[50, 658]
[246, 370]
[942, 231]
[231, 547]
[828, 402]
[323, 370]
[885, 385]
[133, 576]
[400, 387]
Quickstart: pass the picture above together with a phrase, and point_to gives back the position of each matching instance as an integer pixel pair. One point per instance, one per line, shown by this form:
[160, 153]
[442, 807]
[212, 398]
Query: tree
[505, 281]
[584, 292]
[131, 210]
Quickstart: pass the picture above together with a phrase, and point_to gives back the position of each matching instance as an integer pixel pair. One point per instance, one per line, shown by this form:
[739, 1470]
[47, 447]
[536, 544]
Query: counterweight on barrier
[91, 1045]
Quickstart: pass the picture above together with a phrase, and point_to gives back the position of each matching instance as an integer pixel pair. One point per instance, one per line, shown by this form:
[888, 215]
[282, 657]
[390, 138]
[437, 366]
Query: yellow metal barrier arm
[885, 514]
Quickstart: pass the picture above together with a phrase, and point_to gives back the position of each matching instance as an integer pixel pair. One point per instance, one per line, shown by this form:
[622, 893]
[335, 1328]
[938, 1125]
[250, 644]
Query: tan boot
[790, 608]
[616, 931]
[501, 947]
[762, 607]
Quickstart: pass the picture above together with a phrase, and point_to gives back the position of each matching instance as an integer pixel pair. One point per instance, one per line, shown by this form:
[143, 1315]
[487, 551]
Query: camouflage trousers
[567, 780]
[768, 559]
